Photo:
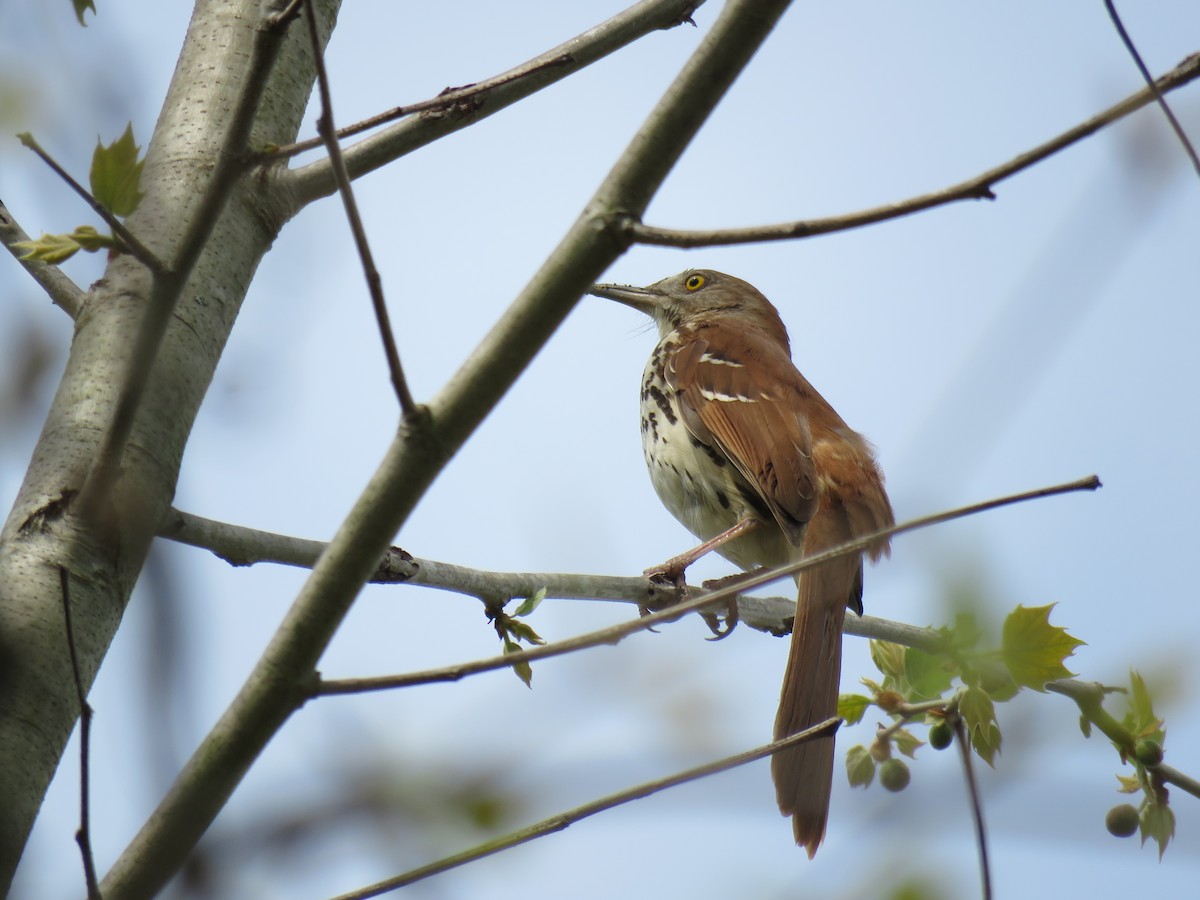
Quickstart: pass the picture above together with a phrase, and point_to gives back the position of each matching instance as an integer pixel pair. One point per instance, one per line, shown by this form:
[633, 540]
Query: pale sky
[984, 348]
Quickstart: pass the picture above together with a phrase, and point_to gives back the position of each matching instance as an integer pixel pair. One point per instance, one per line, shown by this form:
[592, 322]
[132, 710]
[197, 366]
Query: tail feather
[804, 775]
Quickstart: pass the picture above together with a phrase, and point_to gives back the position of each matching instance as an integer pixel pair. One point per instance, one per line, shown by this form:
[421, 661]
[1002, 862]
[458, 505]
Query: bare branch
[977, 188]
[446, 103]
[61, 290]
[457, 109]
[1153, 88]
[340, 175]
[616, 633]
[964, 746]
[562, 821]
[83, 835]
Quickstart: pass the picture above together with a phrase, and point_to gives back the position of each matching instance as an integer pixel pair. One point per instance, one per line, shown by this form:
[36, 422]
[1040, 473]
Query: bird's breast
[697, 484]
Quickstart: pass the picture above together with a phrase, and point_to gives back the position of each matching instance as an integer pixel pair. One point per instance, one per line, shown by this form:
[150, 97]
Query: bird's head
[695, 296]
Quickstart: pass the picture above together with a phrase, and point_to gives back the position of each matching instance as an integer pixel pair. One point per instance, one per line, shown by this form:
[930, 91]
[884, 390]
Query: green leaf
[1140, 718]
[1033, 649]
[522, 632]
[979, 716]
[521, 669]
[888, 658]
[82, 6]
[531, 602]
[115, 174]
[49, 248]
[926, 675]
[852, 707]
[993, 676]
[57, 248]
[1158, 823]
[1129, 784]
[860, 767]
[907, 742]
[1085, 725]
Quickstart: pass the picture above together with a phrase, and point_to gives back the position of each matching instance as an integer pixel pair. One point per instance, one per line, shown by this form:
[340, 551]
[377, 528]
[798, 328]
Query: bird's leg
[672, 572]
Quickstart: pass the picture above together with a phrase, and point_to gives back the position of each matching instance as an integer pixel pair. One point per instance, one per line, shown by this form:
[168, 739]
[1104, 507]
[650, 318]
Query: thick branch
[977, 188]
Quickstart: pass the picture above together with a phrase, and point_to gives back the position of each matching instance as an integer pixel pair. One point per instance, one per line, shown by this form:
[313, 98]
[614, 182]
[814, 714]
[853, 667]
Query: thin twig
[342, 177]
[977, 188]
[129, 241]
[1089, 697]
[563, 820]
[964, 745]
[61, 290]
[1153, 88]
[481, 100]
[83, 835]
[449, 99]
[616, 633]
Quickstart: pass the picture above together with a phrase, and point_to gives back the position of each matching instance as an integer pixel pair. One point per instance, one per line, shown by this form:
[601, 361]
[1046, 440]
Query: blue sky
[984, 348]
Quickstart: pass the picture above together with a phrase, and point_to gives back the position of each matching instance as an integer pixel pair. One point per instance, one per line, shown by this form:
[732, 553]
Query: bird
[745, 453]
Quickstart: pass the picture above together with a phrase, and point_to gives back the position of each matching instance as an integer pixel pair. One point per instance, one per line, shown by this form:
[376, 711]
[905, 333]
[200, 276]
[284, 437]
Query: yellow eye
[694, 282]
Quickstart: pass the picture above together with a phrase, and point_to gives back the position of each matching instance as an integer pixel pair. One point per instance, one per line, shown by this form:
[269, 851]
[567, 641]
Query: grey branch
[457, 109]
[61, 290]
[977, 188]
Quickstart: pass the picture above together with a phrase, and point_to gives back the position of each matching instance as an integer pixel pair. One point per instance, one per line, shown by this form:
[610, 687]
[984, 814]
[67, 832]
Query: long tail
[804, 775]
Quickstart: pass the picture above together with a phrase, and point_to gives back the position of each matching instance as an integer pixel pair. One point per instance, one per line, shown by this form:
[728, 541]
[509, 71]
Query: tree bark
[104, 553]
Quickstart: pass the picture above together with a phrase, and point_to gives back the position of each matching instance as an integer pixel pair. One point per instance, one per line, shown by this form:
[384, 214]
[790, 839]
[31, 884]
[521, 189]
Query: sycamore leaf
[115, 174]
[1033, 649]
[907, 742]
[1140, 718]
[523, 632]
[888, 658]
[860, 767]
[979, 716]
[521, 669]
[852, 707]
[1158, 823]
[926, 675]
[49, 248]
[82, 6]
[57, 248]
[531, 602]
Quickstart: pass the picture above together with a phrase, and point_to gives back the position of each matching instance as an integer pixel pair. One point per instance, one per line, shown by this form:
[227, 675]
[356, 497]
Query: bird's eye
[694, 282]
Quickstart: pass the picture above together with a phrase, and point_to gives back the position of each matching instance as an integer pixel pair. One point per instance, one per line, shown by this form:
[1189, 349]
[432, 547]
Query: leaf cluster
[114, 177]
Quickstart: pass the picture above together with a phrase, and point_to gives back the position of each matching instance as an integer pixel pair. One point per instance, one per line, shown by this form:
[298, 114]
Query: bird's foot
[722, 627]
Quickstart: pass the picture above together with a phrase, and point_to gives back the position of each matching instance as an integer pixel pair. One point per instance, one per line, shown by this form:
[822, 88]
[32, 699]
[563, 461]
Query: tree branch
[563, 820]
[342, 178]
[457, 109]
[925, 638]
[977, 188]
[61, 290]
[1153, 88]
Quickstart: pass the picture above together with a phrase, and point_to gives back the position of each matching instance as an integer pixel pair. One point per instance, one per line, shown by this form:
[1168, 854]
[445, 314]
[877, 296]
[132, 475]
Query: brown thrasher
[745, 453]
